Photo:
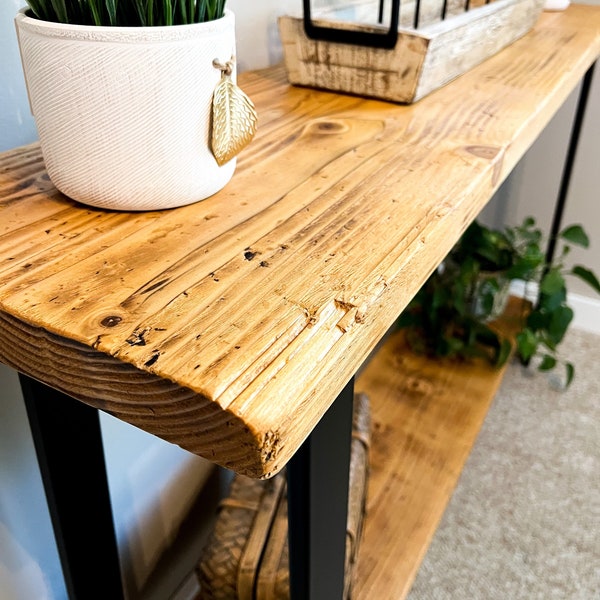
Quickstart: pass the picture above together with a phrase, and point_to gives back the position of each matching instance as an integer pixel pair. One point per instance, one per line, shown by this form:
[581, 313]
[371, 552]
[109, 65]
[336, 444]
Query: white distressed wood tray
[422, 60]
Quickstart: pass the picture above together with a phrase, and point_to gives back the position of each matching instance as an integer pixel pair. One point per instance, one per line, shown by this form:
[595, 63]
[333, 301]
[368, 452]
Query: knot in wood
[417, 386]
[111, 321]
[328, 127]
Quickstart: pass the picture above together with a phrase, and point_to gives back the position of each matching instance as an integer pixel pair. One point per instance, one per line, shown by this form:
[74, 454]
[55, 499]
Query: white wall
[147, 515]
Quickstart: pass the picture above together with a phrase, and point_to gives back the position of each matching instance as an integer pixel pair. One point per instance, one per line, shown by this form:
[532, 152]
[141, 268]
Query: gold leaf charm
[233, 117]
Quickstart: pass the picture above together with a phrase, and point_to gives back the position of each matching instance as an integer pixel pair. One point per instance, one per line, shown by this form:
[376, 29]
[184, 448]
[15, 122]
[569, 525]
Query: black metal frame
[318, 480]
[565, 182]
[68, 444]
[386, 39]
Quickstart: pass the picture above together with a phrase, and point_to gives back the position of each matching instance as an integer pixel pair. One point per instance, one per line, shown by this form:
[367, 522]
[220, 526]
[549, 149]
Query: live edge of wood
[229, 326]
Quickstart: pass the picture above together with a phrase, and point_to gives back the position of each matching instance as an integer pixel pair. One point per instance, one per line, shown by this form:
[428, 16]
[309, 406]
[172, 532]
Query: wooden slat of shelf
[426, 415]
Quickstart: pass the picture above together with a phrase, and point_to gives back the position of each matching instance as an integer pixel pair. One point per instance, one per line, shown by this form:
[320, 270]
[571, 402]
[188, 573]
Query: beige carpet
[524, 521]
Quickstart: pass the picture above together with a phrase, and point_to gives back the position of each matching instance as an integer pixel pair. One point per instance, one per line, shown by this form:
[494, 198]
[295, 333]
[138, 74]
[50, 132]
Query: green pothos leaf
[570, 373]
[576, 235]
[527, 344]
[503, 353]
[548, 363]
[588, 276]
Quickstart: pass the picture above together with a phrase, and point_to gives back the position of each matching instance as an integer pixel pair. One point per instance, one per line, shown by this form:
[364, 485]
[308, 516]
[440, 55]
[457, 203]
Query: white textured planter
[124, 113]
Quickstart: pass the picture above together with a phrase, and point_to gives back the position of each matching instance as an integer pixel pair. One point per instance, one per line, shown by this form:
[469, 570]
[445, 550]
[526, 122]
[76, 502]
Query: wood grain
[426, 417]
[229, 326]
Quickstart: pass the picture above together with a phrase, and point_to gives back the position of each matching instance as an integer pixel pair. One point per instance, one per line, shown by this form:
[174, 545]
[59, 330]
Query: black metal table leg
[68, 443]
[317, 478]
[567, 172]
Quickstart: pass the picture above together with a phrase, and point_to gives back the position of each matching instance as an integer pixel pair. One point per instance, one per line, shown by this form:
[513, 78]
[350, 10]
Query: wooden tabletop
[229, 326]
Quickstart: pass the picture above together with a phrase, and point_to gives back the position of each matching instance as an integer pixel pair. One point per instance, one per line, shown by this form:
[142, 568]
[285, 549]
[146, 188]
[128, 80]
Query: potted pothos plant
[452, 314]
[135, 101]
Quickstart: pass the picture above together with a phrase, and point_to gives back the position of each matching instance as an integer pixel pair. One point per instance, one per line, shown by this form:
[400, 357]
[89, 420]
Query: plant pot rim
[120, 33]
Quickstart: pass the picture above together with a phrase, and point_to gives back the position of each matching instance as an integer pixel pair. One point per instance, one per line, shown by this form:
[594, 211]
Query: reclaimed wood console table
[231, 326]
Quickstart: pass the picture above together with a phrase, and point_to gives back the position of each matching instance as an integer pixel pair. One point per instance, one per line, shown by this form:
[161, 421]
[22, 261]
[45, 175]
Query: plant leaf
[570, 373]
[552, 282]
[527, 344]
[528, 222]
[96, 12]
[548, 363]
[111, 7]
[40, 10]
[586, 275]
[537, 320]
[550, 302]
[503, 353]
[127, 13]
[559, 323]
[140, 11]
[167, 12]
[576, 235]
[61, 10]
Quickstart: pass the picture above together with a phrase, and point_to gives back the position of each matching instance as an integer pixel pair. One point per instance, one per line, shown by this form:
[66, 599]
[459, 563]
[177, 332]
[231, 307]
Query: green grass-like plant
[127, 13]
[451, 315]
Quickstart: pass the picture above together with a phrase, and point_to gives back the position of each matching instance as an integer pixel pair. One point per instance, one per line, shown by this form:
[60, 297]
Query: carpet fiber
[524, 521]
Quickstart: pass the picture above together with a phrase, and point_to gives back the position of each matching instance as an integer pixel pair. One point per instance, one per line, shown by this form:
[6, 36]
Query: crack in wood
[137, 338]
[152, 359]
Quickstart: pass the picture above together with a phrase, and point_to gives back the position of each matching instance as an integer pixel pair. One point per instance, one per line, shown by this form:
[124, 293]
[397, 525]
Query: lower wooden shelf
[426, 416]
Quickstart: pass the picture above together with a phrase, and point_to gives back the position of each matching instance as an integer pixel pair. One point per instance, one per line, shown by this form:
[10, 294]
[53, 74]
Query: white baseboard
[586, 309]
[587, 313]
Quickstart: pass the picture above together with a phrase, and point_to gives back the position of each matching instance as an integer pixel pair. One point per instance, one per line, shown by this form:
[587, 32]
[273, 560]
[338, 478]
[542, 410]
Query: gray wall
[152, 482]
[16, 123]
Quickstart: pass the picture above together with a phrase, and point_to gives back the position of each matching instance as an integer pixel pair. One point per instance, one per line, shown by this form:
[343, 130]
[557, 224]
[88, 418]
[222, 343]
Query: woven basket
[246, 557]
